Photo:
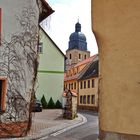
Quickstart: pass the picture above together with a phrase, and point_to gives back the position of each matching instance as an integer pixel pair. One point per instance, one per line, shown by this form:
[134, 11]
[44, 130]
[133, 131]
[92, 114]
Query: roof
[46, 10]
[90, 71]
[71, 92]
[78, 75]
[52, 41]
[71, 77]
[86, 61]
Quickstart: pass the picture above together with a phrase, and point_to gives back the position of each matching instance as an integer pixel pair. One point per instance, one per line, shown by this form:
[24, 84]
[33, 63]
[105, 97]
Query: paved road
[87, 131]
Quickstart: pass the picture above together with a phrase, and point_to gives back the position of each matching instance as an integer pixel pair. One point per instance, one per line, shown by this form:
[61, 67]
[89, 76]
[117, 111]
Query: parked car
[37, 106]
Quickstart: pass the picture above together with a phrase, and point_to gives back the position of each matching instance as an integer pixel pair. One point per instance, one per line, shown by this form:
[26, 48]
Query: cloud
[62, 22]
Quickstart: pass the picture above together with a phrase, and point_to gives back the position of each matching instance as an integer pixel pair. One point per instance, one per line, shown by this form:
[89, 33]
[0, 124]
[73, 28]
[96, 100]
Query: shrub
[44, 102]
[58, 104]
[51, 104]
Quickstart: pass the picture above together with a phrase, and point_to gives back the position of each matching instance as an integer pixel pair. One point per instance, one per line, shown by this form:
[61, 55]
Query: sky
[62, 22]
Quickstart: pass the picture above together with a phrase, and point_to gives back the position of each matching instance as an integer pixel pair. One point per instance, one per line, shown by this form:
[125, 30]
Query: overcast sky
[62, 22]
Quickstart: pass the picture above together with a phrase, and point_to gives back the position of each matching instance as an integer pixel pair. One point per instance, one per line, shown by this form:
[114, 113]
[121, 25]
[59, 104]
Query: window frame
[81, 85]
[88, 83]
[40, 47]
[93, 83]
[81, 99]
[3, 94]
[70, 56]
[84, 84]
[92, 99]
[88, 99]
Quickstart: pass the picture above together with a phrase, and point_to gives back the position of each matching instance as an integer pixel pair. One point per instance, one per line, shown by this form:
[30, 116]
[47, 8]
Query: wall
[116, 27]
[51, 71]
[75, 57]
[18, 63]
[88, 91]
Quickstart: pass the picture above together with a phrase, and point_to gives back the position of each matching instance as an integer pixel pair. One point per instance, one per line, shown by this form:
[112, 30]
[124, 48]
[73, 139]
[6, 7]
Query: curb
[84, 120]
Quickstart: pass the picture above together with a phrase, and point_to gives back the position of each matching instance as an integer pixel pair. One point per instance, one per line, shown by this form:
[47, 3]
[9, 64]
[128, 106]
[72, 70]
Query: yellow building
[83, 72]
[88, 87]
[116, 27]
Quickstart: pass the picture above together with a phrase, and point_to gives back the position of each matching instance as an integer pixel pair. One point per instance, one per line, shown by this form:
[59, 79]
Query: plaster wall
[116, 28]
[89, 91]
[50, 71]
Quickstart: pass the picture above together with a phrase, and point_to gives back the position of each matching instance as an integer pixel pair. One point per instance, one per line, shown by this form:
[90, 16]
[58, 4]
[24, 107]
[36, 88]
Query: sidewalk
[50, 122]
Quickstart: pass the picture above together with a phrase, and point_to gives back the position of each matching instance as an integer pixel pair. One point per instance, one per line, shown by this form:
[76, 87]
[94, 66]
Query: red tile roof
[86, 61]
[72, 93]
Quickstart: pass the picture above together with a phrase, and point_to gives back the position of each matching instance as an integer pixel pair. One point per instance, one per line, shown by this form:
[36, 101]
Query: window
[88, 99]
[81, 99]
[74, 85]
[85, 56]
[84, 84]
[84, 99]
[79, 56]
[81, 84]
[88, 83]
[69, 86]
[92, 83]
[70, 56]
[3, 89]
[40, 47]
[93, 99]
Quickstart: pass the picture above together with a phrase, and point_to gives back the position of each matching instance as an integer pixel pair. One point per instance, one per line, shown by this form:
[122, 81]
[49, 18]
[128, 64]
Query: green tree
[44, 102]
[58, 104]
[51, 104]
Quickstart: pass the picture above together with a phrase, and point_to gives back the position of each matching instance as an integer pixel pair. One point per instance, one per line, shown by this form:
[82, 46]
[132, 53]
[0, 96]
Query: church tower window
[79, 56]
[70, 55]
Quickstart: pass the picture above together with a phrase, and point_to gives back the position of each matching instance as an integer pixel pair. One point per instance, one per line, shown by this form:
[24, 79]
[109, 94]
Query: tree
[51, 104]
[58, 104]
[44, 102]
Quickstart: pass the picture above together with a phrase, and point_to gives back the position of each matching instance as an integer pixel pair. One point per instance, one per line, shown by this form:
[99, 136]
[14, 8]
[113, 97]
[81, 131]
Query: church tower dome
[77, 39]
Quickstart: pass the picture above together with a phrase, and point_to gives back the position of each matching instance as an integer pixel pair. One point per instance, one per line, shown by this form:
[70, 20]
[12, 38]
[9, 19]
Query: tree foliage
[51, 104]
[44, 102]
[58, 104]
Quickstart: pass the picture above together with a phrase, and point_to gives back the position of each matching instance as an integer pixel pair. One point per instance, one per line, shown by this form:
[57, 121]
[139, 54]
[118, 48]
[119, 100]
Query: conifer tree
[51, 104]
[44, 102]
[58, 104]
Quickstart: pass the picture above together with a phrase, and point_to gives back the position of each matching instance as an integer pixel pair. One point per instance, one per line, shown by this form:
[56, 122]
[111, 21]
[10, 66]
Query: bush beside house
[44, 102]
[51, 104]
[58, 104]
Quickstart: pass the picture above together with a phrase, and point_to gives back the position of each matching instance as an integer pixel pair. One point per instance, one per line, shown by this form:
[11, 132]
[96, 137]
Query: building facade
[88, 87]
[18, 62]
[77, 80]
[51, 69]
[116, 28]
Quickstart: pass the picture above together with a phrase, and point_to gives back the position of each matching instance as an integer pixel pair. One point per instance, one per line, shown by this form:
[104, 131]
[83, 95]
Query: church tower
[77, 50]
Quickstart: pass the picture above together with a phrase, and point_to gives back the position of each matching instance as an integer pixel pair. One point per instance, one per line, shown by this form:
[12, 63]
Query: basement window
[3, 90]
